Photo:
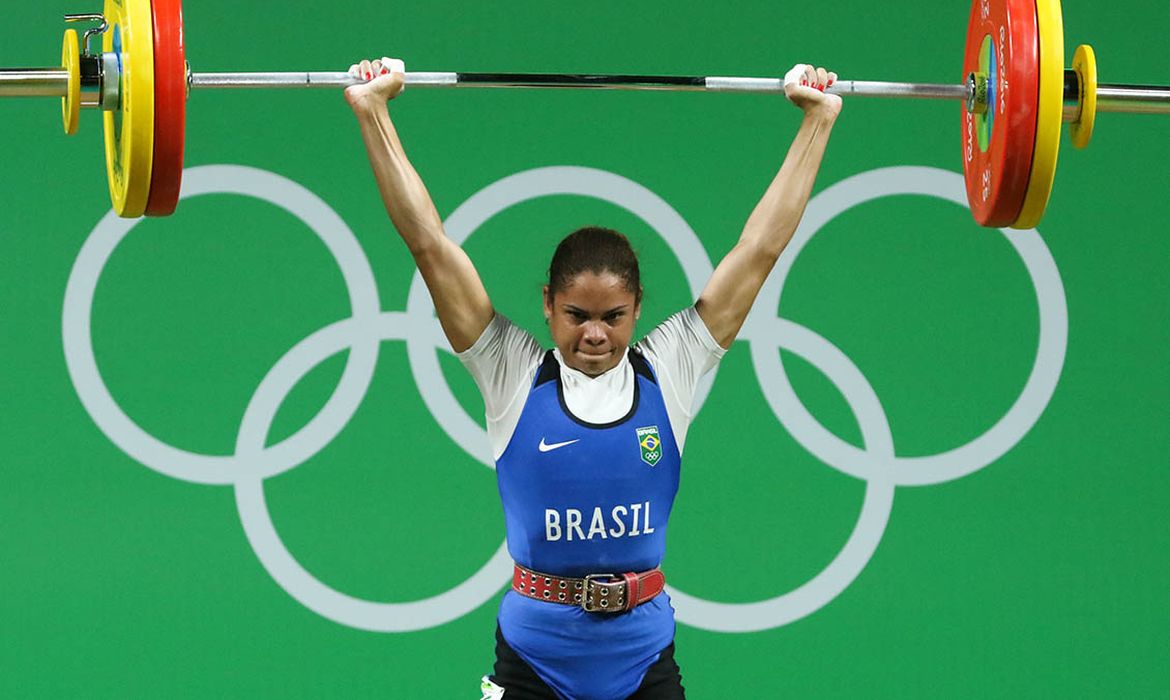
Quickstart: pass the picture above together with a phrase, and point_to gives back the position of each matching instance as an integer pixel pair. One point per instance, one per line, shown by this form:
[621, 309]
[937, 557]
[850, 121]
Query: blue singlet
[581, 498]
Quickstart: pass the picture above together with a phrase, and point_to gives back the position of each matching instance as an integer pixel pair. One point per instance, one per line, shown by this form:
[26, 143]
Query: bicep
[729, 294]
[461, 301]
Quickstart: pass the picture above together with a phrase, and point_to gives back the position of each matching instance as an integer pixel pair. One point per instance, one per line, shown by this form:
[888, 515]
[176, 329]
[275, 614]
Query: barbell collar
[109, 82]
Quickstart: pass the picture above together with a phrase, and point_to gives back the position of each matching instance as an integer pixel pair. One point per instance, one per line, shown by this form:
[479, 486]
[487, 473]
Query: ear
[548, 305]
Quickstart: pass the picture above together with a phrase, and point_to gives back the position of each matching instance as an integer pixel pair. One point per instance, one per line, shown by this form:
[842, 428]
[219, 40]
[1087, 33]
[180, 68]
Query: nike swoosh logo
[544, 447]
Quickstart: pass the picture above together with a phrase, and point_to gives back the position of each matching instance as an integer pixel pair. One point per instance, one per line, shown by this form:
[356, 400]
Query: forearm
[778, 213]
[731, 291]
[403, 193]
[461, 302]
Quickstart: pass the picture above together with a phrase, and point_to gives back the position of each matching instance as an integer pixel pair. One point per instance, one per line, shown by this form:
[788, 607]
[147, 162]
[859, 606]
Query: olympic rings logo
[363, 332]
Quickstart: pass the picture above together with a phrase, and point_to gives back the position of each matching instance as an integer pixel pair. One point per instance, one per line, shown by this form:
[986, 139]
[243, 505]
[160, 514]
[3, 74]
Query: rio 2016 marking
[362, 333]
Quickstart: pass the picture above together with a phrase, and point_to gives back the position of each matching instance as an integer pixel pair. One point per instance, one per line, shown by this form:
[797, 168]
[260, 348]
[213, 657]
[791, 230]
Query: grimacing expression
[592, 320]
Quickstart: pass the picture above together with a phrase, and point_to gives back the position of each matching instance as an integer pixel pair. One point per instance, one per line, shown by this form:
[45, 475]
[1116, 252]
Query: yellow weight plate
[130, 127]
[1050, 116]
[1085, 65]
[71, 62]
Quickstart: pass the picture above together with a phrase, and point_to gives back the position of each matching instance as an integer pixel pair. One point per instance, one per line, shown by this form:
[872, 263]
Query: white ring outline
[369, 327]
[181, 464]
[877, 464]
[515, 189]
[871, 521]
[419, 319]
[1008, 430]
[261, 531]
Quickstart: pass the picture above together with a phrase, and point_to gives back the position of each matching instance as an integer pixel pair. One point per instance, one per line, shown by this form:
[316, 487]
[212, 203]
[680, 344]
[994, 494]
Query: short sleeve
[503, 362]
[681, 350]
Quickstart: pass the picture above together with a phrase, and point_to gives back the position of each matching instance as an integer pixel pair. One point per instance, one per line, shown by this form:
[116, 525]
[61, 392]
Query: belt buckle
[604, 607]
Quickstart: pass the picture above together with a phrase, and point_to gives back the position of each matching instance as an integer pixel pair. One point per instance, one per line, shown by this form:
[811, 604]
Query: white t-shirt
[504, 360]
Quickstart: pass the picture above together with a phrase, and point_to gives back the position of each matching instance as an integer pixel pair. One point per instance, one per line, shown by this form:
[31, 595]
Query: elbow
[423, 236]
[420, 247]
[764, 252]
[424, 249]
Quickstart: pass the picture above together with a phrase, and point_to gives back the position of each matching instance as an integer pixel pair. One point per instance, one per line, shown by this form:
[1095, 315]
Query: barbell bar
[1133, 99]
[1015, 97]
[51, 82]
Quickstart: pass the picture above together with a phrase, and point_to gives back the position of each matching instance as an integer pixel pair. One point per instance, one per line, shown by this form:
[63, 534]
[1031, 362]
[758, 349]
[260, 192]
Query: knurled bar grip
[572, 80]
[1148, 99]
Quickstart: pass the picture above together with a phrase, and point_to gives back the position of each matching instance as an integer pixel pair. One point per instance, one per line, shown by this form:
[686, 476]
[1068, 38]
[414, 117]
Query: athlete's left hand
[383, 81]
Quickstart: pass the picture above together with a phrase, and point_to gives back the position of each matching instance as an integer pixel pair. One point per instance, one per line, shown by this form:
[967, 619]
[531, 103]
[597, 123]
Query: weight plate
[1051, 114]
[997, 178]
[170, 107]
[1085, 65]
[129, 128]
[71, 62]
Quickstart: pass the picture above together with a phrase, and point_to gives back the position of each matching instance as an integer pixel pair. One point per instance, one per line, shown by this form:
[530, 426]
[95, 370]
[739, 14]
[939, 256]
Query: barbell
[1015, 96]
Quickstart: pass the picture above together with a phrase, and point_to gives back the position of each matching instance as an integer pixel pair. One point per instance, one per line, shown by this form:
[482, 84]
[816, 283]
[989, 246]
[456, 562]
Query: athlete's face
[592, 321]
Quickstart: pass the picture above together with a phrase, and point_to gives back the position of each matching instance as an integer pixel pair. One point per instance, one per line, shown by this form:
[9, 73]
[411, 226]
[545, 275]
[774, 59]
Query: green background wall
[1043, 573]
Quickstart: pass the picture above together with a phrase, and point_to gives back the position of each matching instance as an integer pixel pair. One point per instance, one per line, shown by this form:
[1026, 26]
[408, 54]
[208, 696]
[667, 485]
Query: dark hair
[597, 250]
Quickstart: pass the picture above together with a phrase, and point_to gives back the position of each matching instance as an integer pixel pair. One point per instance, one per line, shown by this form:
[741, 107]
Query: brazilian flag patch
[650, 444]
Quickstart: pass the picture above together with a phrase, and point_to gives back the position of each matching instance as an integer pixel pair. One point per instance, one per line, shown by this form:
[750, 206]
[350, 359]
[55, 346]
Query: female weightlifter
[588, 436]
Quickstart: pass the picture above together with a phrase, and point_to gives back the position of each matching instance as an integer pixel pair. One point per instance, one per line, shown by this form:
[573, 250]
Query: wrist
[821, 116]
[364, 108]
[373, 116]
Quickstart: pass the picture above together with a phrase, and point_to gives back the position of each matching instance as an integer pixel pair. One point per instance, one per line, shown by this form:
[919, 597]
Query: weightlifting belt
[602, 593]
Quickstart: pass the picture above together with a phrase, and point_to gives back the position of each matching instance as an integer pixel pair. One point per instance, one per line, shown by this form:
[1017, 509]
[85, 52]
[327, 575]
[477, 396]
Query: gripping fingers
[809, 76]
[795, 75]
[816, 78]
[368, 70]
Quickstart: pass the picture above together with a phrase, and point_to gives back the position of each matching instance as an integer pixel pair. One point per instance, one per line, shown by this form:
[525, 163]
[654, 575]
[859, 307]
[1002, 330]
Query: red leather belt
[605, 593]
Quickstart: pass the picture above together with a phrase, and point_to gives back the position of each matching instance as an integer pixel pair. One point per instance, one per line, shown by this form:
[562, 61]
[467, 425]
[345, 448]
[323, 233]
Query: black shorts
[663, 681]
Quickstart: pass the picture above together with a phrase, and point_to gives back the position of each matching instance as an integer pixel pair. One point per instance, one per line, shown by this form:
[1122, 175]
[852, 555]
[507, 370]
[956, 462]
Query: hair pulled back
[594, 249]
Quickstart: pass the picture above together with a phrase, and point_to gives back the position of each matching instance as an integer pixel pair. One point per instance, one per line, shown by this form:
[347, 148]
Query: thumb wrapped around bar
[793, 76]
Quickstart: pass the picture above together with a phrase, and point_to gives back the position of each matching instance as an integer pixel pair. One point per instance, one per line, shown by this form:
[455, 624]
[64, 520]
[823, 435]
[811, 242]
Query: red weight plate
[170, 107]
[997, 179]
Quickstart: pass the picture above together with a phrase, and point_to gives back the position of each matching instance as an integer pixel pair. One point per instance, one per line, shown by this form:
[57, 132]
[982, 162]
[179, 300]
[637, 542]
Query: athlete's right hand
[384, 79]
[805, 87]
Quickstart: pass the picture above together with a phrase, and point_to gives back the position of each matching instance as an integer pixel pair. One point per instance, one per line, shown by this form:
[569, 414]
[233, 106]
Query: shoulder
[682, 335]
[502, 340]
[503, 361]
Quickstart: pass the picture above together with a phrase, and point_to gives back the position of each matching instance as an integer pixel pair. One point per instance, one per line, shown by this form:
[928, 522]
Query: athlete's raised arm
[461, 301]
[731, 291]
